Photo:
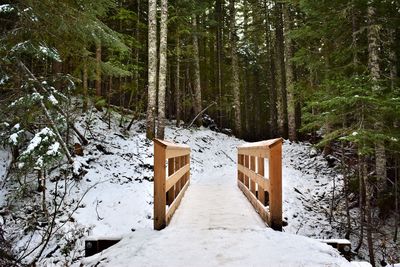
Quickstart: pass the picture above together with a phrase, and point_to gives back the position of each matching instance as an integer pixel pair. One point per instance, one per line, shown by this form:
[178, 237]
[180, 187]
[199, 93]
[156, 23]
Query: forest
[324, 72]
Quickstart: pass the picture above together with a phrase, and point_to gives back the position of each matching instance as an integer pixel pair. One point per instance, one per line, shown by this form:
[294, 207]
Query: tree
[197, 81]
[152, 70]
[235, 70]
[163, 69]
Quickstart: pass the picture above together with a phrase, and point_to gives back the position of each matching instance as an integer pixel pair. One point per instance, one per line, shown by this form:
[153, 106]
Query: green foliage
[352, 107]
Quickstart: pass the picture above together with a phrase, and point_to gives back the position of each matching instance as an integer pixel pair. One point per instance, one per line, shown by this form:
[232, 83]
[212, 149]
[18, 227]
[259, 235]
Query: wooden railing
[169, 189]
[263, 192]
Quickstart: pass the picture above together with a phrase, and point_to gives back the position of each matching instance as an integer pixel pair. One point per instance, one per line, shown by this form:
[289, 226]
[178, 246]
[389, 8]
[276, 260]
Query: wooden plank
[173, 152]
[240, 163]
[253, 168]
[176, 203]
[261, 187]
[188, 163]
[275, 192]
[174, 178]
[177, 166]
[246, 165]
[261, 180]
[258, 206]
[170, 189]
[259, 149]
[171, 145]
[261, 145]
[159, 187]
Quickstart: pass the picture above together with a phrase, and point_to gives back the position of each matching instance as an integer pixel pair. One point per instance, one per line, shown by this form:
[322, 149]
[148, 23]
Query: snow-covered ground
[214, 225]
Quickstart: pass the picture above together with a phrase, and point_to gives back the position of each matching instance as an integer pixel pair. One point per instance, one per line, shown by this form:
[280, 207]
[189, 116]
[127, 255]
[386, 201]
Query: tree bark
[152, 70]
[177, 82]
[392, 59]
[374, 69]
[291, 101]
[197, 84]
[270, 65]
[368, 198]
[280, 63]
[163, 69]
[218, 14]
[98, 69]
[235, 71]
[85, 86]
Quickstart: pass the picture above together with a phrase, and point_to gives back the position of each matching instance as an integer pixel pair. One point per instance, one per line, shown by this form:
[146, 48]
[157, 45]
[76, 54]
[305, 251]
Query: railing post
[275, 196]
[171, 192]
[240, 162]
[159, 187]
[253, 168]
[247, 165]
[261, 190]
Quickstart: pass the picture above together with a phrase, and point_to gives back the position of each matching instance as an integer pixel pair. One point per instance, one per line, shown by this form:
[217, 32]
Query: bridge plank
[174, 178]
[261, 180]
[176, 203]
[258, 206]
[171, 190]
[252, 180]
[261, 188]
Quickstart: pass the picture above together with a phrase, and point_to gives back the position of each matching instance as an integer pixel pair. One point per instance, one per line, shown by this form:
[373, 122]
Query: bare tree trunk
[396, 198]
[177, 81]
[361, 201]
[98, 69]
[291, 101]
[85, 86]
[280, 63]
[235, 71]
[197, 85]
[218, 13]
[368, 197]
[392, 59]
[152, 70]
[162, 70]
[373, 65]
[273, 111]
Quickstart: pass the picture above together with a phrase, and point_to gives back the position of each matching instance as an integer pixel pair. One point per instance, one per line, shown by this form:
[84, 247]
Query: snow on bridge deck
[215, 225]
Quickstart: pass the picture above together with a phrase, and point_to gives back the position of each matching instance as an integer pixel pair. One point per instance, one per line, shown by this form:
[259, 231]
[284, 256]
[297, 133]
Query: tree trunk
[361, 201]
[163, 69]
[85, 86]
[392, 59]
[291, 101]
[368, 198]
[98, 69]
[177, 81]
[280, 63]
[270, 65]
[152, 70]
[218, 14]
[373, 65]
[197, 85]
[235, 71]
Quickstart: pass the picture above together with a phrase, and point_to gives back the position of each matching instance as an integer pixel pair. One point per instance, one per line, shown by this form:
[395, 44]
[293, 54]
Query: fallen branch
[200, 113]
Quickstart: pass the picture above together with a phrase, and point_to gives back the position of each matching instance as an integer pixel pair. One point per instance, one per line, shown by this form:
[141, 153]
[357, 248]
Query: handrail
[262, 191]
[169, 187]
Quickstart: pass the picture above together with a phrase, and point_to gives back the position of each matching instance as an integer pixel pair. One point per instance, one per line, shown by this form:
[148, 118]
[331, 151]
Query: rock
[313, 152]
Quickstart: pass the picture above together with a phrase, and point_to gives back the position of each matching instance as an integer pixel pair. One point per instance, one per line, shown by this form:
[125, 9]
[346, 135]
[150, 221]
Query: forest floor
[215, 224]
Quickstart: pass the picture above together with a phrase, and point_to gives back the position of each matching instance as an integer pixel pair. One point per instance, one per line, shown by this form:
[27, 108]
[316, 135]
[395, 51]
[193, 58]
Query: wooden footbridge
[172, 178]
[215, 224]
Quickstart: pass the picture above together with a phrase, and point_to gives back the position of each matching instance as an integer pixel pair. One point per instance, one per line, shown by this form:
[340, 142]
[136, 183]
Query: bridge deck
[215, 225]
